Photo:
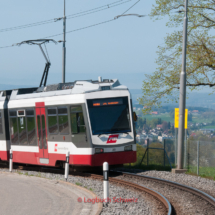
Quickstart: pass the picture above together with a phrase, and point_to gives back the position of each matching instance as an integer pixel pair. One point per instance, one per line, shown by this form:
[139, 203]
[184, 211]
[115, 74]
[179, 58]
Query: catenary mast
[182, 99]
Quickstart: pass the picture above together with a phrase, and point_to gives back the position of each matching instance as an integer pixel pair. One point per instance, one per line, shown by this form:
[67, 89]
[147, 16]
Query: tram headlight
[99, 150]
[128, 148]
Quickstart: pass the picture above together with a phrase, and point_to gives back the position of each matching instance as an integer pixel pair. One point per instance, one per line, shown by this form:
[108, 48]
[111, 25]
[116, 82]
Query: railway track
[196, 192]
[163, 206]
[133, 181]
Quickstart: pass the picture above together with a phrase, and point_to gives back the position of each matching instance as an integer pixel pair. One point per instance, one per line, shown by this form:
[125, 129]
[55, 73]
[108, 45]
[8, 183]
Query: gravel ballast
[143, 205]
[197, 182]
[183, 202]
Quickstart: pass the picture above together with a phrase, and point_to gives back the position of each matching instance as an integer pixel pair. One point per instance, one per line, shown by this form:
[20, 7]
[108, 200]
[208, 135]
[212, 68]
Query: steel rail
[189, 189]
[138, 187]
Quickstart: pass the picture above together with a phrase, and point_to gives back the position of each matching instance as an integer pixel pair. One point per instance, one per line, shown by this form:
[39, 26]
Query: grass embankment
[156, 162]
[205, 172]
[155, 159]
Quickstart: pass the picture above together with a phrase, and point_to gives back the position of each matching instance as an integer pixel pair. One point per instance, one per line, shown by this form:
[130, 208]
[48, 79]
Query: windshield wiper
[101, 134]
[116, 132]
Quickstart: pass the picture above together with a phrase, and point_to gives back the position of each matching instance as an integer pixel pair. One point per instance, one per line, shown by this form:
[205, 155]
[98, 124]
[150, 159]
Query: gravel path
[183, 202]
[144, 205]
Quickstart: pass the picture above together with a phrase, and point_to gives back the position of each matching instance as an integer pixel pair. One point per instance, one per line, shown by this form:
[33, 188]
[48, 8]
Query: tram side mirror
[135, 116]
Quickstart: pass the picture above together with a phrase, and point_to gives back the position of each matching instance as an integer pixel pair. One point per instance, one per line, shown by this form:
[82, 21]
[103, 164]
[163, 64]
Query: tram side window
[77, 120]
[13, 127]
[22, 127]
[31, 130]
[22, 131]
[52, 120]
[63, 120]
[1, 129]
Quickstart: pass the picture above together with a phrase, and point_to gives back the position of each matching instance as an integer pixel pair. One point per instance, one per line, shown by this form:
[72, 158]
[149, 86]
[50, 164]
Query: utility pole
[182, 99]
[64, 43]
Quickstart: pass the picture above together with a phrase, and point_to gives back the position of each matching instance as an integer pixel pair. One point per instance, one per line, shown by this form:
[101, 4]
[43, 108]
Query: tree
[164, 125]
[146, 128]
[190, 117]
[169, 125]
[140, 123]
[154, 123]
[163, 84]
[172, 114]
[172, 130]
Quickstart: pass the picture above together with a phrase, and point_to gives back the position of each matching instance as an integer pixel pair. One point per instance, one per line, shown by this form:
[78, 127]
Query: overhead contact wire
[87, 12]
[78, 29]
[130, 7]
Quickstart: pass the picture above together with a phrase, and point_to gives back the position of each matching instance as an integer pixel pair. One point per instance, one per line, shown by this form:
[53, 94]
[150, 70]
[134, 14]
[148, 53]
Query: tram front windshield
[109, 115]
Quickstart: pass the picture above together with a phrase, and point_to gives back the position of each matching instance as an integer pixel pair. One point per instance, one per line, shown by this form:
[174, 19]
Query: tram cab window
[110, 115]
[13, 127]
[1, 128]
[78, 128]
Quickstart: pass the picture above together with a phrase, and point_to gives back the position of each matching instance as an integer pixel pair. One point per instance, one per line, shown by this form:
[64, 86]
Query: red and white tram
[92, 120]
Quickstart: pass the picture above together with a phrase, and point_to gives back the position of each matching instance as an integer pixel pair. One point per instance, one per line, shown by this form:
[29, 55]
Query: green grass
[203, 171]
[200, 119]
[208, 127]
[20, 173]
[156, 162]
[79, 184]
[203, 176]
[165, 117]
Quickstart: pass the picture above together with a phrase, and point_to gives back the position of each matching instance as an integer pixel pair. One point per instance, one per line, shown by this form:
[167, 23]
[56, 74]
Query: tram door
[41, 130]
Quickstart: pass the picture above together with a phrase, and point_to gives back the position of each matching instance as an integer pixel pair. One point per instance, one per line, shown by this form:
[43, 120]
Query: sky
[124, 48]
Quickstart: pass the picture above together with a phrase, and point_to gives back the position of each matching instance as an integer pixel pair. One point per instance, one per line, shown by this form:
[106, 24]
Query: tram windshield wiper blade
[101, 134]
[110, 132]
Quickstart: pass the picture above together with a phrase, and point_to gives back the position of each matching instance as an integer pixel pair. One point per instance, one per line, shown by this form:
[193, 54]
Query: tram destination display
[106, 102]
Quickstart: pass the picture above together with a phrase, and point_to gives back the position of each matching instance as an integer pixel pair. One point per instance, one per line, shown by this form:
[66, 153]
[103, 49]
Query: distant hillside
[194, 99]
[10, 86]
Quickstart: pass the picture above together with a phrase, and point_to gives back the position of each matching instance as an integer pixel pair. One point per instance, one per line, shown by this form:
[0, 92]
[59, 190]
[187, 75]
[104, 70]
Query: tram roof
[76, 87]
